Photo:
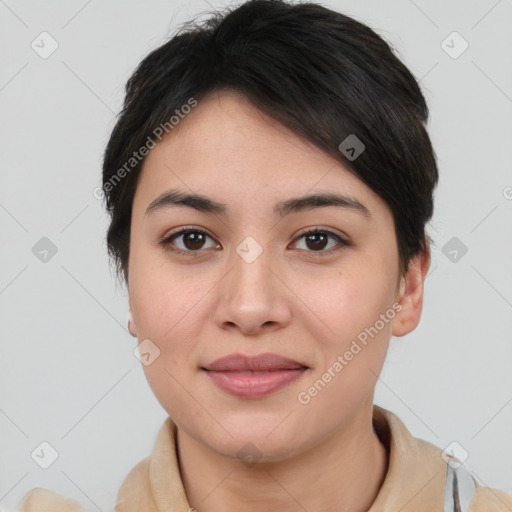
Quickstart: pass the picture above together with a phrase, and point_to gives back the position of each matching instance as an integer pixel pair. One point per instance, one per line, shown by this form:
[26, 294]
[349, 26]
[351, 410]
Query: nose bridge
[250, 295]
[251, 273]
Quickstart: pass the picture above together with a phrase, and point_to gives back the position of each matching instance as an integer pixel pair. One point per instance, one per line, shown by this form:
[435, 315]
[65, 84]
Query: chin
[256, 451]
[252, 440]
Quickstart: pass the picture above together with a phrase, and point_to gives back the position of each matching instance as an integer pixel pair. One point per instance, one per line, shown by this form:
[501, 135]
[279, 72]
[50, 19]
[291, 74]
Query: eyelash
[167, 241]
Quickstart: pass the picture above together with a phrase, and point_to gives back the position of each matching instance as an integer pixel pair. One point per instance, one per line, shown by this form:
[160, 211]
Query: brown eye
[317, 240]
[192, 240]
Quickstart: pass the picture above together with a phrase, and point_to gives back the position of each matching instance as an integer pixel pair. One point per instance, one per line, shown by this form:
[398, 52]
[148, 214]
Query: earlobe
[410, 295]
[131, 324]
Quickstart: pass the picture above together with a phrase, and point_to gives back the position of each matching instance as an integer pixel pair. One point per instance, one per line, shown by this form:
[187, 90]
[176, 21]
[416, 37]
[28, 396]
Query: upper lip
[261, 362]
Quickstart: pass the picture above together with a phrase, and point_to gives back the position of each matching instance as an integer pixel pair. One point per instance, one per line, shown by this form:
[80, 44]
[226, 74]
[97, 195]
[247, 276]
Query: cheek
[165, 300]
[167, 314]
[352, 299]
[355, 349]
[162, 318]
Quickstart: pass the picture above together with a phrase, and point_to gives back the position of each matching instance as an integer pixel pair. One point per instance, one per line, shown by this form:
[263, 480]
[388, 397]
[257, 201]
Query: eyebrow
[205, 204]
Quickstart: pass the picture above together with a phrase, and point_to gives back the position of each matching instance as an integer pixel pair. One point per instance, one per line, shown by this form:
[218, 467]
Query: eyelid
[183, 229]
[320, 229]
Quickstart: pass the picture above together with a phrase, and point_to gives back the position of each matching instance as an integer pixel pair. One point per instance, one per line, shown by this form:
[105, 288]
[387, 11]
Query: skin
[292, 301]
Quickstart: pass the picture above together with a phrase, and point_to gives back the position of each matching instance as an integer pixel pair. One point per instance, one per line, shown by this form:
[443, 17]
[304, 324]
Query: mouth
[266, 362]
[253, 377]
[253, 384]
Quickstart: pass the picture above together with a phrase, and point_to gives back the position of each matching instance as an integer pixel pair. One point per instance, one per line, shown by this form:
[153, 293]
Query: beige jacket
[415, 481]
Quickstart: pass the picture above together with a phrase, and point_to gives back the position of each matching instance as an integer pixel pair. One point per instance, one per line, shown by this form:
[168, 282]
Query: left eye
[193, 241]
[317, 239]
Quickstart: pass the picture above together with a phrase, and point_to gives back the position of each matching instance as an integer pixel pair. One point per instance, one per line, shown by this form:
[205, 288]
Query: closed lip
[261, 362]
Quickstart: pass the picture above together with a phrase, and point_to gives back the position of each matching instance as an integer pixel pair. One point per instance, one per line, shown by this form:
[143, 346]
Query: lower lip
[254, 385]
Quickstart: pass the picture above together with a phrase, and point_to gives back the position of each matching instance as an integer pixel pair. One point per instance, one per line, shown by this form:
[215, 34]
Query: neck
[342, 474]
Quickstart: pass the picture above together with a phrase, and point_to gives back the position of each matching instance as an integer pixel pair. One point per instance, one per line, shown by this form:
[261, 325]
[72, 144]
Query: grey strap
[459, 488]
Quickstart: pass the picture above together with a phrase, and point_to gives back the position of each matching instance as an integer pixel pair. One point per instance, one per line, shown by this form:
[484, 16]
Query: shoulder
[133, 496]
[135, 493]
[487, 499]
[414, 460]
[43, 500]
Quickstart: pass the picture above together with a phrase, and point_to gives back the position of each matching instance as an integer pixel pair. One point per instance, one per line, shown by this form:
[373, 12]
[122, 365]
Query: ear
[131, 324]
[410, 295]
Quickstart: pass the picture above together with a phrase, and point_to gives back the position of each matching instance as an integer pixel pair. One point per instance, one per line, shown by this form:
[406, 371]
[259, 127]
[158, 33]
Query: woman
[269, 181]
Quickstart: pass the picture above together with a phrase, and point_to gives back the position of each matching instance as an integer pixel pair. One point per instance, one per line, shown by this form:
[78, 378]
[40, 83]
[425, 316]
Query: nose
[253, 297]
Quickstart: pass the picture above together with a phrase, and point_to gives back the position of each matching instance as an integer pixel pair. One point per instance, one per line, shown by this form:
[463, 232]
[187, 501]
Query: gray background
[68, 373]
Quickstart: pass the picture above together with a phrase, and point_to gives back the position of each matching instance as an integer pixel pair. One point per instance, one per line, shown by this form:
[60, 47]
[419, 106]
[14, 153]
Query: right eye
[192, 241]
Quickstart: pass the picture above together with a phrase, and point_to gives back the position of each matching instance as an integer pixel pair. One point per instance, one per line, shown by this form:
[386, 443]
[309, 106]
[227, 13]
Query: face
[249, 280]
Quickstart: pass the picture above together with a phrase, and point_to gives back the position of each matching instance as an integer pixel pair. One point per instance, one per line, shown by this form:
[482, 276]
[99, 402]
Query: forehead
[228, 148]
[226, 128]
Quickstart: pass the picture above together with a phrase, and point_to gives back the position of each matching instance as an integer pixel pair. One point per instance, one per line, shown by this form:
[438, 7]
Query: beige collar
[414, 481]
